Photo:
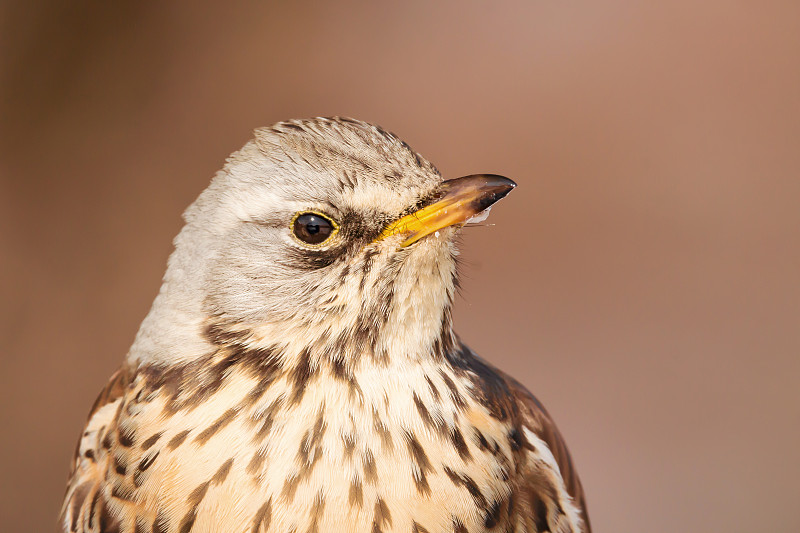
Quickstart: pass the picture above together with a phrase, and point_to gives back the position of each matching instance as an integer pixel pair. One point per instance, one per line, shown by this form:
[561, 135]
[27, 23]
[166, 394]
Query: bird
[298, 370]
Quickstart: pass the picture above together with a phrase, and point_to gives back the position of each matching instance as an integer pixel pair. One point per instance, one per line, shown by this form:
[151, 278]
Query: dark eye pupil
[312, 228]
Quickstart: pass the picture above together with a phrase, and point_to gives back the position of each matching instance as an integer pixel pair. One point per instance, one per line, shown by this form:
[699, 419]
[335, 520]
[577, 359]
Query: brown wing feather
[84, 506]
[113, 391]
[506, 398]
[536, 417]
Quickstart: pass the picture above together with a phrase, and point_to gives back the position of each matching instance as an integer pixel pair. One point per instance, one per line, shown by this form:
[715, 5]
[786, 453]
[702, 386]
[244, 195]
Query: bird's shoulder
[85, 506]
[536, 435]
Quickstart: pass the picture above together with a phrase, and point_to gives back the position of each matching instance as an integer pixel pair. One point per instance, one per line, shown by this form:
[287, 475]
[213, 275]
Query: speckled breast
[389, 449]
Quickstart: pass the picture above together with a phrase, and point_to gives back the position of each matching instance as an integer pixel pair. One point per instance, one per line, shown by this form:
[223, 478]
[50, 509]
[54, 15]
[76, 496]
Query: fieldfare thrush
[298, 370]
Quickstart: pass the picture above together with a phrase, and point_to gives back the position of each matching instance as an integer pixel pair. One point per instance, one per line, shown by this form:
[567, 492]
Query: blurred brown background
[643, 280]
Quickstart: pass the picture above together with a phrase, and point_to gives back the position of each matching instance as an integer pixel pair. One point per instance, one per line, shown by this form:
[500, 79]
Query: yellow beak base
[458, 200]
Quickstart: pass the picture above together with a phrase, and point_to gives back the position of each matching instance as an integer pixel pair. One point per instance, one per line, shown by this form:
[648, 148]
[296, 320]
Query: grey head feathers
[237, 262]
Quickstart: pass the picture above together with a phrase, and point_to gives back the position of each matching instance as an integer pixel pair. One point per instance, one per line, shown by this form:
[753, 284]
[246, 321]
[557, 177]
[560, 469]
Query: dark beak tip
[484, 189]
[502, 186]
[500, 183]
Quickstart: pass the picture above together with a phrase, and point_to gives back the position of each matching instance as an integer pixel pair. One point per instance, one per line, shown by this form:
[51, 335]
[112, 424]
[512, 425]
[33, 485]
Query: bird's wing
[536, 418]
[83, 509]
[551, 492]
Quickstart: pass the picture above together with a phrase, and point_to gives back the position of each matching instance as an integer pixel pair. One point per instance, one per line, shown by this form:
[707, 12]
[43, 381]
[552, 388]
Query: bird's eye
[313, 228]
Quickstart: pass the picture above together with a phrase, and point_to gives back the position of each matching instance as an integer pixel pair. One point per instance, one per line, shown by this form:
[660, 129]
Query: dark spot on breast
[370, 470]
[311, 442]
[455, 394]
[120, 465]
[349, 444]
[492, 516]
[460, 444]
[225, 419]
[458, 526]
[187, 386]
[147, 461]
[416, 528]
[364, 334]
[300, 377]
[161, 523]
[219, 334]
[423, 413]
[256, 393]
[423, 465]
[178, 439]
[151, 440]
[290, 487]
[222, 472]
[316, 511]
[107, 522]
[356, 495]
[257, 462]
[125, 436]
[417, 452]
[197, 495]
[121, 492]
[432, 387]
[480, 439]
[382, 516]
[141, 525]
[266, 418]
[338, 368]
[383, 431]
[263, 517]
[107, 442]
[468, 483]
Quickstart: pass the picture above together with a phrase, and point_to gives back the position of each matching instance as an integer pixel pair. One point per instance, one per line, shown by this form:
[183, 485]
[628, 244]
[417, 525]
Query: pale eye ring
[313, 228]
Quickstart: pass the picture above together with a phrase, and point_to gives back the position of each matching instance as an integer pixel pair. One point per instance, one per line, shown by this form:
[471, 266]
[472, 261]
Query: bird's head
[328, 234]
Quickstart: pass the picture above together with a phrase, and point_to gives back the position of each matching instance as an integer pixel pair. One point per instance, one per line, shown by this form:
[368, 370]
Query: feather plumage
[276, 386]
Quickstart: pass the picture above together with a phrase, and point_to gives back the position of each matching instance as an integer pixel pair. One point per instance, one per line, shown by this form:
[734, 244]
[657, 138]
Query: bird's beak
[457, 201]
